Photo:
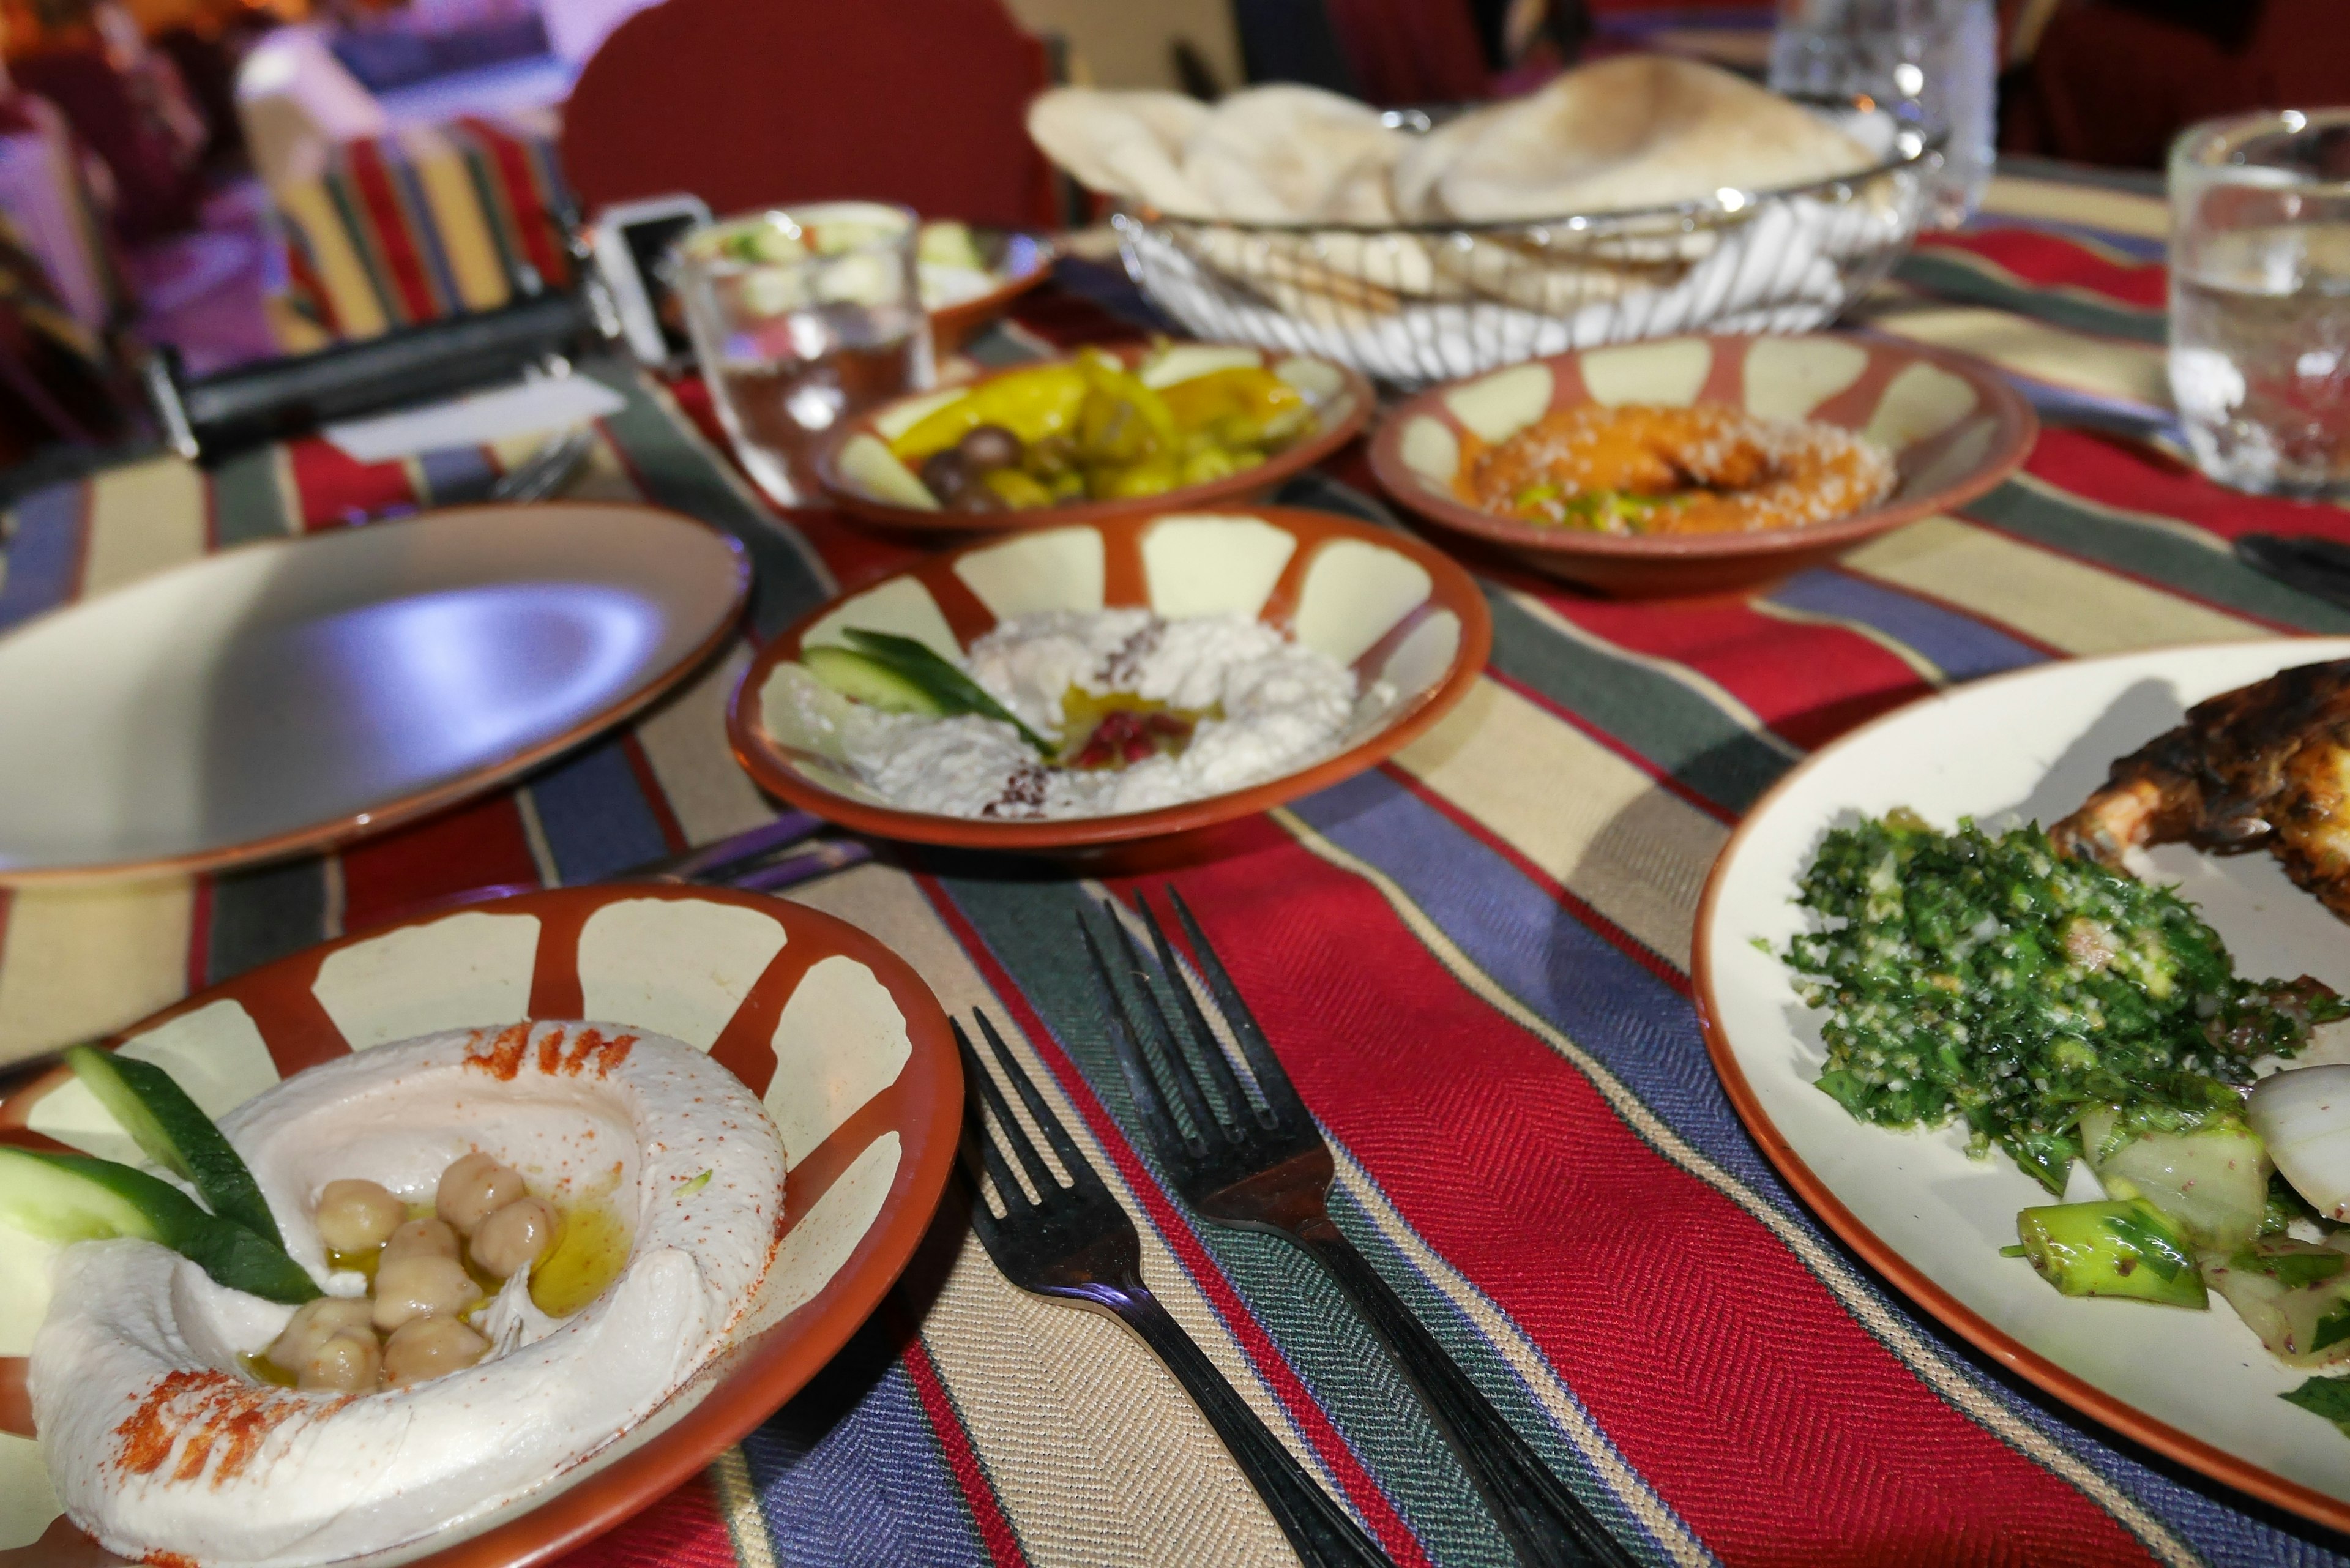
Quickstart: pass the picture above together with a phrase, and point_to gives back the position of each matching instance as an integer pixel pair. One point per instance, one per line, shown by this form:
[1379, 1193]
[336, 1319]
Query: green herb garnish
[2326, 1397]
[2293, 1271]
[954, 692]
[1983, 978]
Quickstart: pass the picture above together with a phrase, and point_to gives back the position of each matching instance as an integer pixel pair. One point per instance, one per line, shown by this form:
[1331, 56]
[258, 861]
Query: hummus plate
[835, 1035]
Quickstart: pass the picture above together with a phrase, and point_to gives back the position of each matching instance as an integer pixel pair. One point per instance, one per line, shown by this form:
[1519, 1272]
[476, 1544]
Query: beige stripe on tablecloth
[2106, 367]
[2091, 206]
[1096, 1453]
[2067, 604]
[685, 741]
[79, 962]
[1586, 816]
[143, 517]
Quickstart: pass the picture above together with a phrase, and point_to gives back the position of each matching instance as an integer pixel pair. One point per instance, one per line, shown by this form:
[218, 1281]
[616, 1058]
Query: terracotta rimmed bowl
[287, 696]
[1021, 261]
[1344, 400]
[1379, 601]
[834, 1030]
[2194, 1385]
[1953, 423]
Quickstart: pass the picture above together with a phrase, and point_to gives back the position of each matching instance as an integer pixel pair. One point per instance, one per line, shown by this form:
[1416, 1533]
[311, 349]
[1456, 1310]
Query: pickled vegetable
[2112, 1248]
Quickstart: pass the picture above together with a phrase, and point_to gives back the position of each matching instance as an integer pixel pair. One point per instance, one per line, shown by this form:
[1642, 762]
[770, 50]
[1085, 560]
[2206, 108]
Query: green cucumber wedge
[868, 680]
[948, 688]
[176, 1134]
[75, 1198]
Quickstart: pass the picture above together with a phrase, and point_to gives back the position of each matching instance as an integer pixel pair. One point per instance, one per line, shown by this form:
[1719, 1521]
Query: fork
[1260, 1164]
[1077, 1243]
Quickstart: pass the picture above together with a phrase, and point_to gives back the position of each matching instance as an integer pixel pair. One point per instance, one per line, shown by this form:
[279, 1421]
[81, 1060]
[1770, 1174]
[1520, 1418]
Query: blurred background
[240, 180]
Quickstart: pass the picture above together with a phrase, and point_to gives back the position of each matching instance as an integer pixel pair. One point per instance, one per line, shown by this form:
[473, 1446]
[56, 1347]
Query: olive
[989, 446]
[1049, 457]
[977, 496]
[947, 475]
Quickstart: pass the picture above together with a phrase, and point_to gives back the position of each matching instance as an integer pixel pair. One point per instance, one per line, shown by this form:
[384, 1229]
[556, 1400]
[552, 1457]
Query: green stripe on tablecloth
[1674, 728]
[248, 502]
[1030, 929]
[2173, 556]
[2137, 181]
[1954, 274]
[675, 468]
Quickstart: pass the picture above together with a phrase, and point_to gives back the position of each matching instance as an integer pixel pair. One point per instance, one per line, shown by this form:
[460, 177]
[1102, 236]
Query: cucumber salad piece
[2060, 1011]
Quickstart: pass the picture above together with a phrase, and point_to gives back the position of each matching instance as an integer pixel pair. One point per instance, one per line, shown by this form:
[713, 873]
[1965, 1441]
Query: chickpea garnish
[418, 1238]
[353, 1215]
[516, 1236]
[316, 1322]
[429, 1347]
[346, 1362]
[421, 1286]
[473, 1189]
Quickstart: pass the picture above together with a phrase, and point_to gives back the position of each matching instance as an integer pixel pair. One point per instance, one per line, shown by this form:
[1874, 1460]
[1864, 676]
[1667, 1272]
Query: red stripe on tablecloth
[332, 488]
[1776, 1425]
[685, 1529]
[1664, 780]
[477, 845]
[996, 1532]
[2037, 258]
[392, 224]
[1279, 1376]
[1808, 682]
[199, 935]
[1616, 936]
[2115, 473]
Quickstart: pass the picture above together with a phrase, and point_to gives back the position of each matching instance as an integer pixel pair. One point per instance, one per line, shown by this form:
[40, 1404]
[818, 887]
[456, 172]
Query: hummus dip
[159, 1443]
[1254, 705]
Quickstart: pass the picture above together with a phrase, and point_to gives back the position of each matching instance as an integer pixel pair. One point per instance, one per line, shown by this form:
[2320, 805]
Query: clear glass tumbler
[1932, 64]
[801, 317]
[2260, 298]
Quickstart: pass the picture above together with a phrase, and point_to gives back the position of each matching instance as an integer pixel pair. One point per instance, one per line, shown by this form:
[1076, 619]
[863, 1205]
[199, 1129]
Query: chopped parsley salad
[2058, 1010]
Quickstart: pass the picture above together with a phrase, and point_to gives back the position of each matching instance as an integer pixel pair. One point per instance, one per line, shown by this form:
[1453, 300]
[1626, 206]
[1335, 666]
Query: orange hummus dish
[1707, 468]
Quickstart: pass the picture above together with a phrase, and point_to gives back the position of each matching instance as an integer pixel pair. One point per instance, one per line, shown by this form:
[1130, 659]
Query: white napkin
[525, 407]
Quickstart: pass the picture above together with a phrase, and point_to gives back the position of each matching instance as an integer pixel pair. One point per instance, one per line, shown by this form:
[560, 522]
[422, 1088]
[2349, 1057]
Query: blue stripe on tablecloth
[849, 1471]
[595, 814]
[265, 914]
[44, 552]
[456, 474]
[1648, 1037]
[1961, 647]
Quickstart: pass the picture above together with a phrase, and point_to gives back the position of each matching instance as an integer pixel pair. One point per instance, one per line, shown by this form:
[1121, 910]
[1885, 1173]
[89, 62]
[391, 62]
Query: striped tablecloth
[1473, 960]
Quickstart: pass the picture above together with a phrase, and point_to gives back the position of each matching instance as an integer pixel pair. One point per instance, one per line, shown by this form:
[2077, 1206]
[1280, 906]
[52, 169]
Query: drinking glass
[2260, 298]
[803, 316]
[1932, 64]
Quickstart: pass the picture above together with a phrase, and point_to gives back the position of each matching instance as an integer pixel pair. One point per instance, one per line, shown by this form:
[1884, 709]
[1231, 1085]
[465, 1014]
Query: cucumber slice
[74, 1198]
[868, 680]
[949, 687]
[176, 1134]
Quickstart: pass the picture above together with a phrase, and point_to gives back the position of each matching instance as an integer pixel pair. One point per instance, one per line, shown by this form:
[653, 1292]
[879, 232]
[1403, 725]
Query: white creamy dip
[1274, 707]
[156, 1441]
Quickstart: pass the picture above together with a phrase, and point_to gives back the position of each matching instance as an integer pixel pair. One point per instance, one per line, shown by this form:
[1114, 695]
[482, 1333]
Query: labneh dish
[389, 1294]
[1067, 713]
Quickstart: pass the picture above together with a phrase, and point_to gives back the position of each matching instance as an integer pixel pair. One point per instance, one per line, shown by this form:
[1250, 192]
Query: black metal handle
[1549, 1526]
[1324, 1535]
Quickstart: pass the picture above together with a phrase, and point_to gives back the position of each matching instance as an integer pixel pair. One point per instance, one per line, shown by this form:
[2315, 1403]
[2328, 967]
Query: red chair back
[747, 103]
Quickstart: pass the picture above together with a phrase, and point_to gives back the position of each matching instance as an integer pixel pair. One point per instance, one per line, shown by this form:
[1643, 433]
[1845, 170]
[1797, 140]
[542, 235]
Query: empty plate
[286, 696]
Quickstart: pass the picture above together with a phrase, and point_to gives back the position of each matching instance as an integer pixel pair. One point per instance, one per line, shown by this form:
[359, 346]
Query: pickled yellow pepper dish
[1090, 430]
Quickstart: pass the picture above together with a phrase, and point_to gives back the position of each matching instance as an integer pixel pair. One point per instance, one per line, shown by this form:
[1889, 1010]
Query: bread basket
[1411, 304]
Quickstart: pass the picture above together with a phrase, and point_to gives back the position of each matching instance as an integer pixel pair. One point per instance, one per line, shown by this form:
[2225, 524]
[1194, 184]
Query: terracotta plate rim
[402, 810]
[2071, 1388]
[2017, 425]
[1450, 588]
[1266, 476]
[775, 1364]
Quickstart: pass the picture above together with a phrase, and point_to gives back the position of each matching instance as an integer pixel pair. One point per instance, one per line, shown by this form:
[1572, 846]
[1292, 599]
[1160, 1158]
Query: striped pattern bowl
[836, 1034]
[1380, 602]
[1953, 424]
[862, 477]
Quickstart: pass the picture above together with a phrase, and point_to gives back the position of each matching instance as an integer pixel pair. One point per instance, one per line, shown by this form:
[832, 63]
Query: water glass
[2260, 299]
[1932, 64]
[801, 317]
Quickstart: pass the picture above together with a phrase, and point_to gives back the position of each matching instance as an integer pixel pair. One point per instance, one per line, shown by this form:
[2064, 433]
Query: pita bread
[1123, 144]
[1638, 131]
[1290, 154]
